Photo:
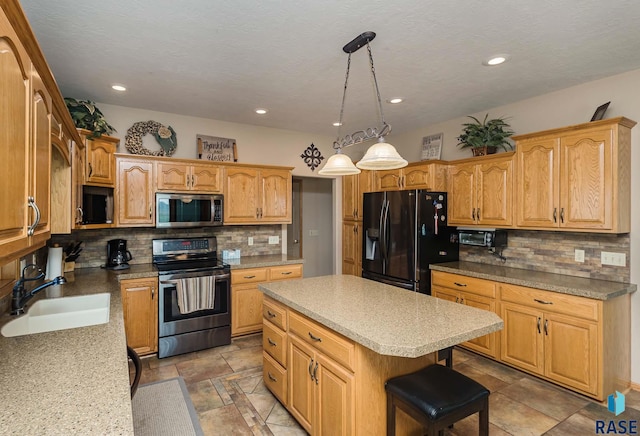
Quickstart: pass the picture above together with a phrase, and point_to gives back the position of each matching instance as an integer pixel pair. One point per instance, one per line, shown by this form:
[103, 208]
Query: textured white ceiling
[222, 59]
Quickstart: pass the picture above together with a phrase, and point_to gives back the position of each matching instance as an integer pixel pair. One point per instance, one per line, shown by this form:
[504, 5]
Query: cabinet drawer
[285, 272]
[251, 275]
[551, 301]
[464, 283]
[274, 342]
[274, 312]
[275, 377]
[331, 344]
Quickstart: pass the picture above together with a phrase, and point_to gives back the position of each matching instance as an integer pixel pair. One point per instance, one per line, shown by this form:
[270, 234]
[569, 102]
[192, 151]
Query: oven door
[171, 322]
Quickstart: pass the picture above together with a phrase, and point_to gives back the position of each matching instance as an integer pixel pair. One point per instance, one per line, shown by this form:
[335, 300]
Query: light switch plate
[614, 259]
[250, 240]
[313, 232]
[579, 255]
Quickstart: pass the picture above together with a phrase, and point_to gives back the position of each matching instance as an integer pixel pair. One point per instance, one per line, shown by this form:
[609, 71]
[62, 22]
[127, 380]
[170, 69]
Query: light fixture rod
[358, 42]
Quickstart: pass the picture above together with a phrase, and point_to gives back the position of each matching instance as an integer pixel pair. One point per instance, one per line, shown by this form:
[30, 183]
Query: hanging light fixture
[380, 156]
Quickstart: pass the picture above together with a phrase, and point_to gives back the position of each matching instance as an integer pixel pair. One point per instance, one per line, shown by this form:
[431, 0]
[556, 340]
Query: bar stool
[137, 363]
[436, 397]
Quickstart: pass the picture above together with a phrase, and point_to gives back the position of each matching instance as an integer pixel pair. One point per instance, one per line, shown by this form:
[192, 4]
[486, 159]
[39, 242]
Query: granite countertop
[580, 286]
[388, 320]
[72, 381]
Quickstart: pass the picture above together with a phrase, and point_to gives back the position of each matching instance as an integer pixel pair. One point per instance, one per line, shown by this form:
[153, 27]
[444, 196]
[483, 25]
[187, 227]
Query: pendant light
[380, 156]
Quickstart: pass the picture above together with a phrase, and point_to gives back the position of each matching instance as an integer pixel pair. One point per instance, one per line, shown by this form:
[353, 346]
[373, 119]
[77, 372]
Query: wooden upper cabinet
[576, 178]
[182, 176]
[481, 192]
[135, 192]
[257, 195]
[353, 188]
[417, 175]
[100, 160]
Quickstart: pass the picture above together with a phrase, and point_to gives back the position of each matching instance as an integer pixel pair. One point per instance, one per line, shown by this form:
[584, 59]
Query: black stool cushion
[436, 390]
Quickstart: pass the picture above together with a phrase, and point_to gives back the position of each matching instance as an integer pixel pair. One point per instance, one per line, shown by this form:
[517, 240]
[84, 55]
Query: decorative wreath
[165, 136]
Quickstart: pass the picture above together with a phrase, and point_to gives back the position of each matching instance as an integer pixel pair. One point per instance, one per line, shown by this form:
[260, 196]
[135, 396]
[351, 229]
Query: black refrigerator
[405, 232]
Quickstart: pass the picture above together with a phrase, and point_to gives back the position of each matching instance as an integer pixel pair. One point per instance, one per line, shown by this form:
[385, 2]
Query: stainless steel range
[194, 301]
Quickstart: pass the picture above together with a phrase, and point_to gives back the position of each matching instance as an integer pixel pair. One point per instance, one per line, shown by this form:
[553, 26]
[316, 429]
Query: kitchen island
[331, 342]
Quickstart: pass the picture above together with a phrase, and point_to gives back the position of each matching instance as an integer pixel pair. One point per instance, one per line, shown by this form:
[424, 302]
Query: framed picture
[599, 113]
[431, 147]
[217, 149]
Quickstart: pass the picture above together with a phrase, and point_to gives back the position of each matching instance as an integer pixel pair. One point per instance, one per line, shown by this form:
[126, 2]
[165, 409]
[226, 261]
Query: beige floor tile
[596, 411]
[632, 399]
[157, 374]
[488, 381]
[250, 383]
[517, 418]
[244, 358]
[263, 403]
[201, 369]
[204, 396]
[249, 341]
[225, 421]
[498, 370]
[216, 351]
[154, 362]
[279, 430]
[576, 425]
[544, 397]
[279, 416]
[469, 426]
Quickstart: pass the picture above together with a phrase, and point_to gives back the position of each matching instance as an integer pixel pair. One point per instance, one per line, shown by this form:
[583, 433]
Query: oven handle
[175, 277]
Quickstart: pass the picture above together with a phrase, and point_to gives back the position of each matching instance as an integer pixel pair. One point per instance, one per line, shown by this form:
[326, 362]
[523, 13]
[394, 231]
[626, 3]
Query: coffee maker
[117, 254]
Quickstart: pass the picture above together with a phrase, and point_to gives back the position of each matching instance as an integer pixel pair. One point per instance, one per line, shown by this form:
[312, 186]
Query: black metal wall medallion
[312, 157]
[165, 136]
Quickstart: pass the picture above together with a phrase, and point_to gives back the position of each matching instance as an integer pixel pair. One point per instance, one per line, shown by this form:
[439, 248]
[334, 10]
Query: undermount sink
[59, 314]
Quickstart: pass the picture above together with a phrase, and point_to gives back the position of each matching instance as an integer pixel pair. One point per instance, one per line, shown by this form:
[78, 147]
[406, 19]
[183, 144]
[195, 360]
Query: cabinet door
[335, 399]
[494, 193]
[301, 361]
[275, 196]
[135, 193]
[387, 180]
[14, 164]
[206, 178]
[246, 309]
[571, 352]
[586, 180]
[538, 183]
[241, 195]
[77, 180]
[462, 198]
[445, 294]
[418, 177]
[173, 176]
[350, 192]
[351, 243]
[486, 344]
[522, 338]
[140, 308]
[101, 161]
[41, 157]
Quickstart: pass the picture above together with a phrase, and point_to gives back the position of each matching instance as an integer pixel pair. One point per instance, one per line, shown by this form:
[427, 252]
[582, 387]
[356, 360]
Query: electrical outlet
[615, 259]
[313, 232]
[274, 239]
[250, 240]
[579, 255]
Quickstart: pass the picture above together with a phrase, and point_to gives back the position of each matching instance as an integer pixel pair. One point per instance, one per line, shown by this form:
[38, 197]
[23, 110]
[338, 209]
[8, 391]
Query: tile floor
[226, 388]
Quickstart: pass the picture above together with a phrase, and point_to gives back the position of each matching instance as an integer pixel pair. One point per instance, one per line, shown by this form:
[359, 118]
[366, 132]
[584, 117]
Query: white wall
[573, 105]
[317, 219]
[256, 145]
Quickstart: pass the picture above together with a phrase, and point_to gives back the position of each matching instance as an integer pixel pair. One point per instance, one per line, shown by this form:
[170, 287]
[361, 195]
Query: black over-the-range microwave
[188, 210]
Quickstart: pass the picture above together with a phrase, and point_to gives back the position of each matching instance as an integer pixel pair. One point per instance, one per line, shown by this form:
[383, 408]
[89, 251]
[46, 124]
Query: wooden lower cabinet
[246, 298]
[351, 248]
[140, 310]
[334, 386]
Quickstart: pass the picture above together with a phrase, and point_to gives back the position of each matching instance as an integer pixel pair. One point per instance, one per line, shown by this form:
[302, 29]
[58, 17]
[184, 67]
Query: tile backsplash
[94, 245]
[554, 252]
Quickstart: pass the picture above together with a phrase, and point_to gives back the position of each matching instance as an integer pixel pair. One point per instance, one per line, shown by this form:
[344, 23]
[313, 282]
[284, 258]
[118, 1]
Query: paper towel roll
[54, 263]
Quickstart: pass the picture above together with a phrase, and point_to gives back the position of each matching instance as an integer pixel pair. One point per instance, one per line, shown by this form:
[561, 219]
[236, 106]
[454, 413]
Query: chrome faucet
[20, 298]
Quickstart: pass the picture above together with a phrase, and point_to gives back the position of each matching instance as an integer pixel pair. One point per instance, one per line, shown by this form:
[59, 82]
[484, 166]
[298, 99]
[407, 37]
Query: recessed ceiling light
[119, 88]
[495, 60]
[261, 111]
[395, 100]
[337, 124]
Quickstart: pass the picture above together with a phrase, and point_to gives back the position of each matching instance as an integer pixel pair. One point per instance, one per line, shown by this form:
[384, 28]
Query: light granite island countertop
[388, 320]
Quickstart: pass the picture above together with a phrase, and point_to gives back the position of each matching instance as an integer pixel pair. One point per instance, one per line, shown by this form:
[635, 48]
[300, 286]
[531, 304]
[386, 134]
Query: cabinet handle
[257, 213]
[478, 214]
[315, 338]
[153, 292]
[473, 214]
[286, 273]
[90, 169]
[270, 314]
[457, 299]
[315, 371]
[272, 378]
[555, 214]
[355, 229]
[546, 327]
[562, 215]
[538, 325]
[80, 216]
[149, 212]
[355, 213]
[310, 368]
[31, 202]
[461, 300]
[542, 301]
[273, 344]
[193, 180]
[464, 285]
[249, 277]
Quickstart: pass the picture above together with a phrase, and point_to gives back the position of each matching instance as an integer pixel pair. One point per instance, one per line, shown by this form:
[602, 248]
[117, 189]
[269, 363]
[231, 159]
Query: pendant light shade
[382, 156]
[339, 165]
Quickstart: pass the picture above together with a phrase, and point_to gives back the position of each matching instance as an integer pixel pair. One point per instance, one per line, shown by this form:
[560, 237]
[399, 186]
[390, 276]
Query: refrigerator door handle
[384, 234]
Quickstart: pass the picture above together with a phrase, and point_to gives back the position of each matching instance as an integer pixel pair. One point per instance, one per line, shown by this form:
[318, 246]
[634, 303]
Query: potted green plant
[86, 115]
[485, 137]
